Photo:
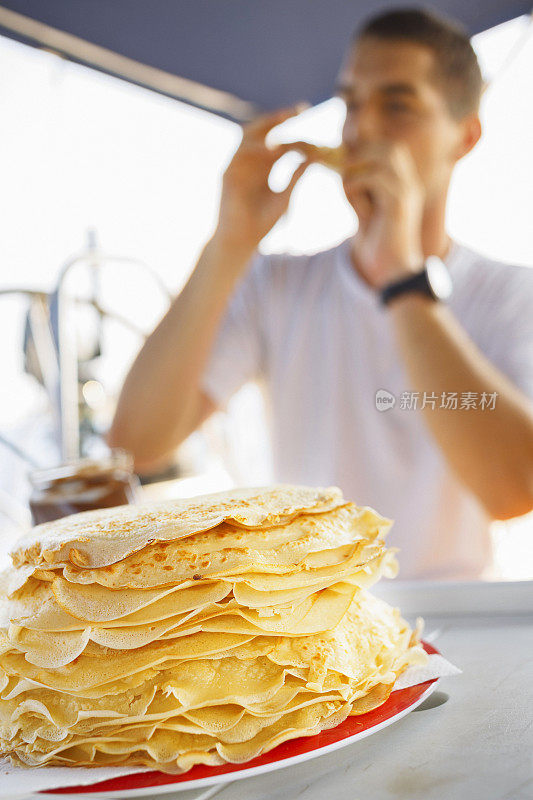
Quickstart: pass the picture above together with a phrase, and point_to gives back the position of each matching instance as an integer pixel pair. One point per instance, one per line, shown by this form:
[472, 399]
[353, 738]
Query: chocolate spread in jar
[82, 486]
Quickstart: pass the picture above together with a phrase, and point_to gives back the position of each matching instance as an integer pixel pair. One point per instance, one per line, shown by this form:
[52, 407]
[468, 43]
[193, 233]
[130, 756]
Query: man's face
[392, 94]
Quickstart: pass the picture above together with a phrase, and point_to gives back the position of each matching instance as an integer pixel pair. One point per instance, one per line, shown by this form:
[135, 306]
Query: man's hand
[248, 207]
[383, 187]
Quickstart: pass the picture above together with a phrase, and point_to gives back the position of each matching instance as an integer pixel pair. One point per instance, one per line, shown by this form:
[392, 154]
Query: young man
[325, 333]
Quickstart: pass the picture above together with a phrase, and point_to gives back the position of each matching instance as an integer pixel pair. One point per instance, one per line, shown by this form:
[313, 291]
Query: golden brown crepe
[332, 157]
[196, 632]
[99, 538]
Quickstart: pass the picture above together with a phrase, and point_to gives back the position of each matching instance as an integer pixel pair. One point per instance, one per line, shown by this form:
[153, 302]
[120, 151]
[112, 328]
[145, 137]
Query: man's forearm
[491, 451]
[161, 390]
[160, 403]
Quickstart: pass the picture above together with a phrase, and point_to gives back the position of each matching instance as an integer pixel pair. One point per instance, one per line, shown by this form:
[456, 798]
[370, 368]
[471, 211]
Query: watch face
[438, 278]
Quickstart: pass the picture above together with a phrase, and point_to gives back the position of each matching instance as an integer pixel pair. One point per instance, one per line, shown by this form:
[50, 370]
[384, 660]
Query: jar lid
[116, 459]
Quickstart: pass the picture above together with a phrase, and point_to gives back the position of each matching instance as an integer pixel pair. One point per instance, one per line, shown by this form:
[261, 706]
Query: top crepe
[103, 537]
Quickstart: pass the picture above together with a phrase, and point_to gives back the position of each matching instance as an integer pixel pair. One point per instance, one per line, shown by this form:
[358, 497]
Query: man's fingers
[310, 151]
[361, 202]
[296, 175]
[261, 125]
[378, 186]
[278, 150]
[358, 172]
[268, 155]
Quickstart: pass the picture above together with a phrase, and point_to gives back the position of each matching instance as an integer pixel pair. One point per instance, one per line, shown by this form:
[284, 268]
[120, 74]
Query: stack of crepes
[201, 631]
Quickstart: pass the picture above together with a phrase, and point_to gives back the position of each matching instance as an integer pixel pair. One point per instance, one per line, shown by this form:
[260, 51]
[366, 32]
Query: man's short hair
[457, 67]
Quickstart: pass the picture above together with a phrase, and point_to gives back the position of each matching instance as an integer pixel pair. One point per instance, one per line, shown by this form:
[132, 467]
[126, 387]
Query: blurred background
[127, 180]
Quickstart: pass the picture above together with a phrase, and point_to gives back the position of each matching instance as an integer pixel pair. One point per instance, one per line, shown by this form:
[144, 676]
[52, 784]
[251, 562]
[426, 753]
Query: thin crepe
[103, 537]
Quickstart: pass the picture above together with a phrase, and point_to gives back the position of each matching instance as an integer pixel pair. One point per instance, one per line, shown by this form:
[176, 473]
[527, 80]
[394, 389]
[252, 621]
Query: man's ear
[470, 135]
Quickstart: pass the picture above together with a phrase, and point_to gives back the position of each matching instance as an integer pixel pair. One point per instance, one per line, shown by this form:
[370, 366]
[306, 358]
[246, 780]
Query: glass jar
[83, 485]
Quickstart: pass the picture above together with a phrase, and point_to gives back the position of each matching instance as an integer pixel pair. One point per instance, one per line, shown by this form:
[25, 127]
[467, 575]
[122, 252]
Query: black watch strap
[414, 283]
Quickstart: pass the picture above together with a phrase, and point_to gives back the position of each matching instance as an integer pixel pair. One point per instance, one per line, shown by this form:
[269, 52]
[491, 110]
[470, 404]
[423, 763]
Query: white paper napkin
[436, 667]
[19, 782]
[16, 782]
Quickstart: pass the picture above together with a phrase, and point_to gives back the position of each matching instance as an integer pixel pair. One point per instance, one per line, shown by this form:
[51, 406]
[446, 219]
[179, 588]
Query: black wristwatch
[433, 281]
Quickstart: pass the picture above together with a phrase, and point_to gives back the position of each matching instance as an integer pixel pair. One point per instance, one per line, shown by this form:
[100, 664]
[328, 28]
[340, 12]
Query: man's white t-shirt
[315, 336]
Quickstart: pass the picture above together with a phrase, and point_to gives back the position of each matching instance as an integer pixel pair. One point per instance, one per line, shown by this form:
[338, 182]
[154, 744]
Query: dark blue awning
[233, 57]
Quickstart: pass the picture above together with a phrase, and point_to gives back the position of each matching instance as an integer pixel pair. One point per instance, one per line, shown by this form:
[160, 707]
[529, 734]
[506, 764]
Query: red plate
[294, 751]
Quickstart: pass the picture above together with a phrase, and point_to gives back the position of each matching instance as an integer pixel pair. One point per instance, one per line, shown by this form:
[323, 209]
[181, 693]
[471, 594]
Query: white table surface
[478, 745]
